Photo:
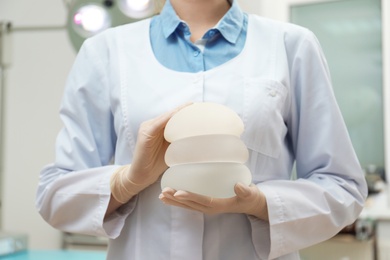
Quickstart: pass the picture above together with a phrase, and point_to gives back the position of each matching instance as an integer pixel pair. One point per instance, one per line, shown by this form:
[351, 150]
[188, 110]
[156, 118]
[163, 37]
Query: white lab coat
[279, 85]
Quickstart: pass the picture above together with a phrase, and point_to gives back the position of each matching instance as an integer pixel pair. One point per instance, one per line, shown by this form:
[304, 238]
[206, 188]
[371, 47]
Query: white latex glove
[148, 162]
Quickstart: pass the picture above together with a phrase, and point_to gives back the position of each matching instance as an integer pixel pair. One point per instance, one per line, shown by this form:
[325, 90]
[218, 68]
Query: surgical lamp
[90, 17]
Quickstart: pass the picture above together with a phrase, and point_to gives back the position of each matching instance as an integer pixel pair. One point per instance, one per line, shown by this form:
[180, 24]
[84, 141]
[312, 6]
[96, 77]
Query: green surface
[350, 32]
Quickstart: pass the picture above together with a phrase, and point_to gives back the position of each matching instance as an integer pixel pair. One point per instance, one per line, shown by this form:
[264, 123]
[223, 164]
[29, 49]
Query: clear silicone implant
[206, 148]
[216, 180]
[203, 119]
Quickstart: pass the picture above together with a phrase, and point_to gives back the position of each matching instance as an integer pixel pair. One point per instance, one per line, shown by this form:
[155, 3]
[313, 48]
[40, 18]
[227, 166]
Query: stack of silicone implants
[205, 155]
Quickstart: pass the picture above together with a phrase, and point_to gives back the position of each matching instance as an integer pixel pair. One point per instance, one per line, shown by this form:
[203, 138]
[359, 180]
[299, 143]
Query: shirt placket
[197, 58]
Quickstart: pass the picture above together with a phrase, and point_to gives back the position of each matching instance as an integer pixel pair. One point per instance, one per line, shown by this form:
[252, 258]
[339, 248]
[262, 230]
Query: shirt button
[196, 53]
[211, 33]
[272, 93]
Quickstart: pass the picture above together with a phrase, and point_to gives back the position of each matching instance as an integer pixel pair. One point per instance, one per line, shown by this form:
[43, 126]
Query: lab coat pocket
[263, 117]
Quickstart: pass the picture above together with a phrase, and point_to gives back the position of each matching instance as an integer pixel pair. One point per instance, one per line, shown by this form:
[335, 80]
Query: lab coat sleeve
[330, 189]
[73, 192]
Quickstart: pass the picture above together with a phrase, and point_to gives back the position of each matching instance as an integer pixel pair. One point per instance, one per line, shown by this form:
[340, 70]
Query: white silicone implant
[206, 148]
[216, 180]
[206, 155]
[203, 119]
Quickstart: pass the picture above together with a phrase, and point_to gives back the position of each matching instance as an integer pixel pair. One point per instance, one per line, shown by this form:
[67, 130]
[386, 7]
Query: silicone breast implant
[205, 155]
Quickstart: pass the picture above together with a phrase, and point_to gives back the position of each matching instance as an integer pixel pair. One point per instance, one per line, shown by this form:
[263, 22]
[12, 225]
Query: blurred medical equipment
[12, 243]
[5, 60]
[90, 17]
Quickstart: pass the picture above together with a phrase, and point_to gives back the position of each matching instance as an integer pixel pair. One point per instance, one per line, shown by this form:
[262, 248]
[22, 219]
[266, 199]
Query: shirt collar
[229, 26]
[169, 18]
[231, 23]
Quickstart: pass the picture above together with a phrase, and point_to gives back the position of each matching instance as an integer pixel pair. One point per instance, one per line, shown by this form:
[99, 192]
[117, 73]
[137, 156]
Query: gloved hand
[148, 162]
[249, 200]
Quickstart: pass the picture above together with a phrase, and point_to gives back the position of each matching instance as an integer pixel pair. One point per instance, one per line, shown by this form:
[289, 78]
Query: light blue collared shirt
[170, 39]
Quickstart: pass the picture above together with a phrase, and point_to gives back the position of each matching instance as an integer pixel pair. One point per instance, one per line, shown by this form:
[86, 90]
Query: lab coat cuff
[261, 241]
[276, 214]
[114, 224]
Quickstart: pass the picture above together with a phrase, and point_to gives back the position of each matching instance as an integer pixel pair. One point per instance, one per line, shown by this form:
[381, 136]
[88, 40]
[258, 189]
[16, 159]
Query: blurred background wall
[40, 61]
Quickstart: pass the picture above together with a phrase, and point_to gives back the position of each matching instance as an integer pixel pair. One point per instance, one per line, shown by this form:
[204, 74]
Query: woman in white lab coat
[128, 81]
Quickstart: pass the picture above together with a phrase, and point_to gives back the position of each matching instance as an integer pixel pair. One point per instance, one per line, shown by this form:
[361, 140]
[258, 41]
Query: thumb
[242, 190]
